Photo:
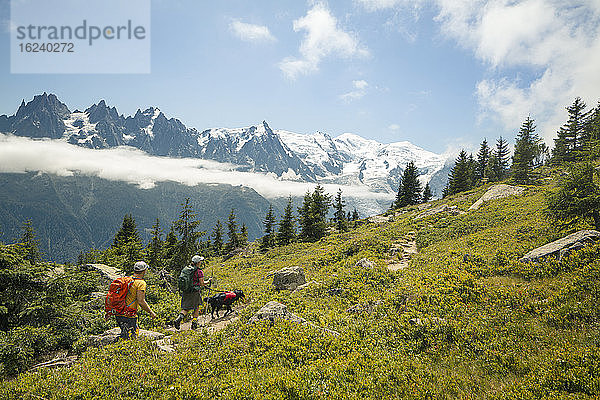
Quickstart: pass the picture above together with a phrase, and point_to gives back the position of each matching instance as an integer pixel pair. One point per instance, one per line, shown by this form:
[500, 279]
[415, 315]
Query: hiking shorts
[190, 301]
[129, 328]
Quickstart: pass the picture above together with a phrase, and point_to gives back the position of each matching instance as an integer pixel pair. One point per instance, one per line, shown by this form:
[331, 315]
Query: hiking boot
[177, 321]
[194, 325]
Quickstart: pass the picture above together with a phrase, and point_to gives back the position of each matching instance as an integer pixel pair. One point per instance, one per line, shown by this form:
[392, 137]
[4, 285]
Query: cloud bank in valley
[127, 164]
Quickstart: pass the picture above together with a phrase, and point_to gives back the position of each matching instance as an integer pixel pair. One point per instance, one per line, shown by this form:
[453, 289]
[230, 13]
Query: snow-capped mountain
[347, 159]
[351, 159]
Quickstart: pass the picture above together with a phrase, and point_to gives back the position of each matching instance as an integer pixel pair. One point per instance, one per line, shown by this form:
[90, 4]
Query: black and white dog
[224, 299]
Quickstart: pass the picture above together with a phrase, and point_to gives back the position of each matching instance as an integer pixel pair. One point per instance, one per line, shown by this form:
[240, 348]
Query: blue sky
[441, 74]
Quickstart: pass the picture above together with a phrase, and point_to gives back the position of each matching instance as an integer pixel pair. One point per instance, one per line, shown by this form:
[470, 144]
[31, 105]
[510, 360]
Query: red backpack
[115, 298]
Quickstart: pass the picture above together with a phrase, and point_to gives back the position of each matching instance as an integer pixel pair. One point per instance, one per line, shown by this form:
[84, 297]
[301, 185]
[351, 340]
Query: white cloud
[251, 32]
[555, 41]
[360, 89]
[558, 41]
[323, 38]
[375, 5]
[394, 127]
[127, 164]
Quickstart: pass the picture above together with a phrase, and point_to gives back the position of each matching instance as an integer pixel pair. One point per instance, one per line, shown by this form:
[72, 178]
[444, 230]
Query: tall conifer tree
[526, 147]
[568, 144]
[339, 216]
[409, 192]
[483, 159]
[286, 233]
[460, 178]
[501, 162]
[155, 248]
[217, 241]
[186, 226]
[232, 231]
[30, 242]
[427, 195]
[268, 240]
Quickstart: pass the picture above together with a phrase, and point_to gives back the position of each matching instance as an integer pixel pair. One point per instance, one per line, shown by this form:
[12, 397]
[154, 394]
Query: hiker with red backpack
[124, 297]
[191, 282]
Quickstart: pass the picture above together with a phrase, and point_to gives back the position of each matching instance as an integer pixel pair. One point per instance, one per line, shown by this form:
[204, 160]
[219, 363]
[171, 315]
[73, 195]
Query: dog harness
[229, 296]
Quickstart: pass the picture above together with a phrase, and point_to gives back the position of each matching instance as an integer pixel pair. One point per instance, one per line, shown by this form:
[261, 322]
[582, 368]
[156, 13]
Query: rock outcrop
[561, 247]
[274, 310]
[497, 192]
[289, 278]
[106, 271]
[379, 219]
[363, 263]
[112, 335]
[452, 210]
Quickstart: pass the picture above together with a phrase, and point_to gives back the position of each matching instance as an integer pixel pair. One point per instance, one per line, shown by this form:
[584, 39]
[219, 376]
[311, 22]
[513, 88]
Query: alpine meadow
[300, 200]
[464, 316]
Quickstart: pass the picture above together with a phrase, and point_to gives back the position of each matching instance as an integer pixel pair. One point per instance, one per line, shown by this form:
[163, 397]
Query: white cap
[196, 259]
[140, 266]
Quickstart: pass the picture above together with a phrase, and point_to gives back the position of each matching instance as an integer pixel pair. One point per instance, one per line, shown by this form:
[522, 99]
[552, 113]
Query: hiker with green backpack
[191, 282]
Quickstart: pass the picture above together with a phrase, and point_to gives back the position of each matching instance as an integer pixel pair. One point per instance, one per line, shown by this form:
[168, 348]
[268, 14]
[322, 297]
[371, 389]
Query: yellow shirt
[131, 299]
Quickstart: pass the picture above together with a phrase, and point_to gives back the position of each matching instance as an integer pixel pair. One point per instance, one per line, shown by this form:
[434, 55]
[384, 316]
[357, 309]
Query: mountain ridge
[345, 159]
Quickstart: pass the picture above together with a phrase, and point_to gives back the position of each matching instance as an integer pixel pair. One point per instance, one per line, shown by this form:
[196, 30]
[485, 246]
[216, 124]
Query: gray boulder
[452, 210]
[106, 271]
[561, 247]
[275, 310]
[364, 263]
[497, 192]
[289, 278]
[112, 335]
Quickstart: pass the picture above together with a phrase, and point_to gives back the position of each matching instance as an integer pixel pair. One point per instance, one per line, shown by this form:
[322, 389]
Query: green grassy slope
[464, 320]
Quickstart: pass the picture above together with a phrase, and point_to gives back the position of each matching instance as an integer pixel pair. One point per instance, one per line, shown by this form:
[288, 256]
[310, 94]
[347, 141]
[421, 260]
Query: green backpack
[186, 278]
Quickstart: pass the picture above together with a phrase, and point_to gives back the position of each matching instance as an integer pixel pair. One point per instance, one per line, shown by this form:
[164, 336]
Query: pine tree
[243, 235]
[232, 231]
[471, 166]
[127, 232]
[30, 242]
[217, 242]
[578, 195]
[568, 144]
[409, 192]
[268, 240]
[170, 250]
[127, 245]
[355, 216]
[287, 231]
[427, 195]
[305, 217]
[460, 178]
[313, 213]
[155, 248]
[526, 147]
[186, 226]
[501, 162]
[591, 137]
[339, 216]
[483, 160]
[320, 204]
